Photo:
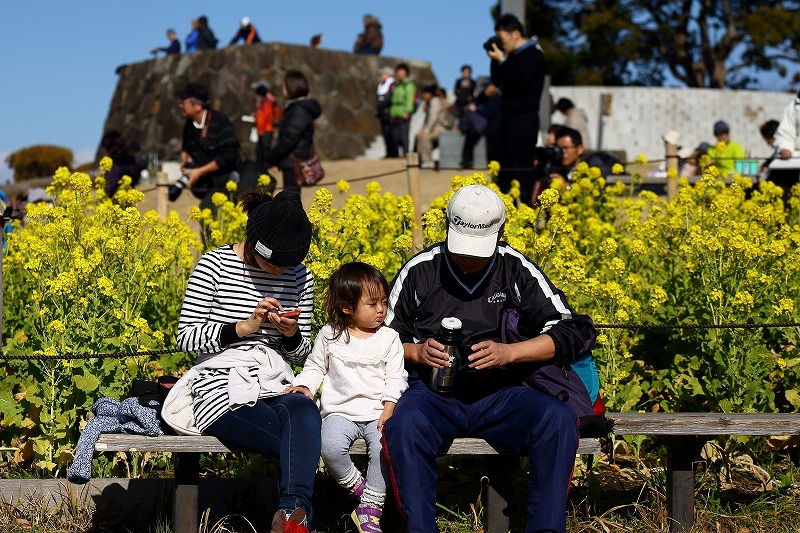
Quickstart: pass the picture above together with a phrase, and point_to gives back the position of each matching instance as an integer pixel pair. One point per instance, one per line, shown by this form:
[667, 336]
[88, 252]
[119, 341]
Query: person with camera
[471, 282]
[569, 144]
[518, 70]
[210, 151]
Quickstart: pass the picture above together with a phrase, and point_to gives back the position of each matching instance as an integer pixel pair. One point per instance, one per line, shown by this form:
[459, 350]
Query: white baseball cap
[475, 216]
[245, 22]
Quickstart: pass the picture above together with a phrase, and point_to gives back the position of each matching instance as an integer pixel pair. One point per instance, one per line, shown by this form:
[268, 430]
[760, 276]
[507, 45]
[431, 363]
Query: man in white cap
[247, 33]
[476, 278]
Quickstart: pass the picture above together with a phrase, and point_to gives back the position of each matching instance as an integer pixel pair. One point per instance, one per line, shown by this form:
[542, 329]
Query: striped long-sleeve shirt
[223, 290]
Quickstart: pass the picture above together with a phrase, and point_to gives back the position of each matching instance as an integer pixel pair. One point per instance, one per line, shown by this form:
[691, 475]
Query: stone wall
[144, 107]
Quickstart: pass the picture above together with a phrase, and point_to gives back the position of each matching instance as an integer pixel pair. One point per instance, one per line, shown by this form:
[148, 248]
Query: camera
[493, 40]
[176, 188]
[548, 155]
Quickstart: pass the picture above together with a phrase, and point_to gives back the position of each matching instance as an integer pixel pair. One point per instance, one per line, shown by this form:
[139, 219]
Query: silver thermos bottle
[443, 380]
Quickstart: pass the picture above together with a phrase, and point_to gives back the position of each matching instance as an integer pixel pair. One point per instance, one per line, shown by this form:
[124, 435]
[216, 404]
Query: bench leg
[498, 492]
[680, 483]
[187, 478]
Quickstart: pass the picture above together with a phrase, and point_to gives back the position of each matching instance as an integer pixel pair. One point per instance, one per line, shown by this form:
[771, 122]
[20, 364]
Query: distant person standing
[247, 33]
[787, 136]
[296, 135]
[402, 106]
[383, 105]
[316, 41]
[268, 114]
[464, 90]
[205, 37]
[191, 38]
[487, 107]
[575, 118]
[174, 46]
[518, 70]
[371, 41]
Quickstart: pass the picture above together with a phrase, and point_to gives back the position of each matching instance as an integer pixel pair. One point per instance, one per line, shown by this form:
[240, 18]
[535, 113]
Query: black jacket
[206, 39]
[520, 78]
[216, 141]
[426, 290]
[296, 132]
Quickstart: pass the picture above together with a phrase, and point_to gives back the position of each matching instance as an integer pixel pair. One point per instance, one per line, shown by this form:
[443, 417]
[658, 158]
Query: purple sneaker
[367, 519]
[358, 489]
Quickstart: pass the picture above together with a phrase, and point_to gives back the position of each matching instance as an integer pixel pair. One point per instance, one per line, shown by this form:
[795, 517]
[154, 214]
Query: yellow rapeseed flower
[56, 327]
[264, 180]
[641, 159]
[230, 186]
[343, 186]
[106, 163]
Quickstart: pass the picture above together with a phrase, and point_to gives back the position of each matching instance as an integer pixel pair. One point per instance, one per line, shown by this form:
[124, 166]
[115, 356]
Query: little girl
[360, 365]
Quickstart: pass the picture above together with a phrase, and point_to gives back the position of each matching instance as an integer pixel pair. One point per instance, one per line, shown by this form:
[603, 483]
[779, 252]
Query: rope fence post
[672, 163]
[412, 169]
[162, 190]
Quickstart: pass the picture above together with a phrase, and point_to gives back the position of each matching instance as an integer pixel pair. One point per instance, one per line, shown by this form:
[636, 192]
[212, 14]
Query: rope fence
[151, 353]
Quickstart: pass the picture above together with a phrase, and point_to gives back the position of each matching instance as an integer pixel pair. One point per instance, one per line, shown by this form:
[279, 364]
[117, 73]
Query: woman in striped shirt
[247, 313]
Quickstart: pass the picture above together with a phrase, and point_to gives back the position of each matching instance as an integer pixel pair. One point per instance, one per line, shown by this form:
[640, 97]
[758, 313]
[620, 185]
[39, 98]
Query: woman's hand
[265, 310]
[301, 389]
[286, 325]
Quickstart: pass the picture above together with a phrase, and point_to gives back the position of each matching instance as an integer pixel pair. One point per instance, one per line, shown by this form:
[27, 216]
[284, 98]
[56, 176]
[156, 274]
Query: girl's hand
[388, 411]
[302, 389]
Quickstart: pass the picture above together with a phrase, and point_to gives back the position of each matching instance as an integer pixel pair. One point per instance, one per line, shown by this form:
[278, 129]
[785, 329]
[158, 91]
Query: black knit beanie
[279, 230]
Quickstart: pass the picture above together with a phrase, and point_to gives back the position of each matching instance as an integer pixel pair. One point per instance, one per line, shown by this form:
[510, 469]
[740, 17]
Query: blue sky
[58, 57]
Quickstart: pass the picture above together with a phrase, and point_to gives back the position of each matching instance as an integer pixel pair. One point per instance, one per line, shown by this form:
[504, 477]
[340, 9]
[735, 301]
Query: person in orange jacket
[268, 115]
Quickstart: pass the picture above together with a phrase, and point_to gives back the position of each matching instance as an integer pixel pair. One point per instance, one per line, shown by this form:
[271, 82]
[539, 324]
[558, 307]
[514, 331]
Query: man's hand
[302, 389]
[496, 54]
[432, 353]
[786, 154]
[193, 173]
[489, 354]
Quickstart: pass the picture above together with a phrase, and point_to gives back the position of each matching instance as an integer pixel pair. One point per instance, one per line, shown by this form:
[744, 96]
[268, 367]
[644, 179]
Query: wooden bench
[683, 434]
[186, 459]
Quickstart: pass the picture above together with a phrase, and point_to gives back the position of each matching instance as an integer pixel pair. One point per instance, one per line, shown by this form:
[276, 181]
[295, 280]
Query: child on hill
[360, 365]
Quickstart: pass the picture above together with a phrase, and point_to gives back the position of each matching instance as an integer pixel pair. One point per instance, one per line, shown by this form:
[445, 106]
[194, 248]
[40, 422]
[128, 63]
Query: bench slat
[185, 443]
[705, 423]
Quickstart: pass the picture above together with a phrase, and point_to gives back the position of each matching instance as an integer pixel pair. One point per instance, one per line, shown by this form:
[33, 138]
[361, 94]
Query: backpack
[576, 384]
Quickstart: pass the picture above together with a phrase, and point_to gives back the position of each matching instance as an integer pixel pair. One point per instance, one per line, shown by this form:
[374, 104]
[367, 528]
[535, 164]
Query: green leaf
[793, 397]
[87, 383]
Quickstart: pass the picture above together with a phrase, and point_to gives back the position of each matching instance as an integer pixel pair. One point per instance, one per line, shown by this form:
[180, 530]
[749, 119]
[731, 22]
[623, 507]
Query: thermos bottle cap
[451, 323]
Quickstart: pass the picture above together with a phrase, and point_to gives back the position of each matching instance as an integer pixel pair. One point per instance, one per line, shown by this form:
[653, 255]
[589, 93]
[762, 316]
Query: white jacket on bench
[243, 390]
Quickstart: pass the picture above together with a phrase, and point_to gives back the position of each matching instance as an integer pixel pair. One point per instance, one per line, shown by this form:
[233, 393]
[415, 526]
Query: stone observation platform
[144, 107]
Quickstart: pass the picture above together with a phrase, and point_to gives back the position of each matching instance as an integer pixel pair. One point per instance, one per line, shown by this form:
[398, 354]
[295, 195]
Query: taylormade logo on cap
[475, 215]
[457, 221]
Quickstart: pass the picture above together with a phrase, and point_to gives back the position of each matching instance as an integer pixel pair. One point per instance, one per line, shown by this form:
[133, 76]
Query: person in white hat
[247, 33]
[476, 278]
